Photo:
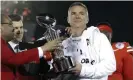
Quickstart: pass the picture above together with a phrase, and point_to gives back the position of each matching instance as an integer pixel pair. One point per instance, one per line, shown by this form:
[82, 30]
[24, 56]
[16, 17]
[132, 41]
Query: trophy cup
[61, 63]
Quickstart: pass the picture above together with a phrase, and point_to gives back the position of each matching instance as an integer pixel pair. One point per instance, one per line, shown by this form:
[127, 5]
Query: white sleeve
[40, 51]
[129, 49]
[107, 64]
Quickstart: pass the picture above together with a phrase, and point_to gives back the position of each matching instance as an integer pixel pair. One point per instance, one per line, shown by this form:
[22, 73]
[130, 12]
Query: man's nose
[18, 32]
[77, 16]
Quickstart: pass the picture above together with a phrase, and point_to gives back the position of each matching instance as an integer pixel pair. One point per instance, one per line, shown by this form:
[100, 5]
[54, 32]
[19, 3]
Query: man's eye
[82, 13]
[72, 13]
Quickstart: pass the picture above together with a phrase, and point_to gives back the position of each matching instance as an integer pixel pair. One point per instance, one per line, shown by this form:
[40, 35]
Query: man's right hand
[68, 29]
[50, 45]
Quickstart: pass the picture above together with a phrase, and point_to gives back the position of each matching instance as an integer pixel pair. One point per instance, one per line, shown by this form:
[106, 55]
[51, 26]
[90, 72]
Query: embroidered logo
[119, 45]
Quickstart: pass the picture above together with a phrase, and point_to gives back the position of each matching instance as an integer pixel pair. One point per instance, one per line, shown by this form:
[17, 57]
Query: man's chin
[20, 40]
[18, 37]
[77, 25]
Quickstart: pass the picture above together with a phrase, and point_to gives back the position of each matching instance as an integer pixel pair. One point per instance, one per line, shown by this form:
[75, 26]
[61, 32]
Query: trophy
[61, 63]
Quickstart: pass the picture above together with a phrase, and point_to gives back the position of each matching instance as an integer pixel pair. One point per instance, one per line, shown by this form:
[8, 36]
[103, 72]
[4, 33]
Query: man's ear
[87, 20]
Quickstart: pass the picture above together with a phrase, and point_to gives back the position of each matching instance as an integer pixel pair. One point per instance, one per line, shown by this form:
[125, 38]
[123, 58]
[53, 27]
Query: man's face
[18, 30]
[7, 29]
[77, 16]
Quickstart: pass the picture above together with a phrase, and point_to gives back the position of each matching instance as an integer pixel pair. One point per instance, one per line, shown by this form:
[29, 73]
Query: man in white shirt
[90, 49]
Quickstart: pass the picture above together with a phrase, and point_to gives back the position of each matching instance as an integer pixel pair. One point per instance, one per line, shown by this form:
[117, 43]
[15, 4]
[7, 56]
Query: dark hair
[104, 23]
[15, 17]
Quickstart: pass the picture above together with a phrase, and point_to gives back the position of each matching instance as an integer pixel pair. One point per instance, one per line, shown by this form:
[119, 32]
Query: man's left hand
[77, 69]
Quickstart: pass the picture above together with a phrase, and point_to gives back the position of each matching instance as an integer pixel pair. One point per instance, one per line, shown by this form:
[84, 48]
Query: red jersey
[124, 62]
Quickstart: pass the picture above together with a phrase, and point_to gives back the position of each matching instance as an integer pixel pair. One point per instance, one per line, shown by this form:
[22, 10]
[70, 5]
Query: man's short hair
[78, 4]
[15, 17]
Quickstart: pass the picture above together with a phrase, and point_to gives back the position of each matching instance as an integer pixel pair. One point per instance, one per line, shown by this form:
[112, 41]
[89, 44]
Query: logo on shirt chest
[86, 60]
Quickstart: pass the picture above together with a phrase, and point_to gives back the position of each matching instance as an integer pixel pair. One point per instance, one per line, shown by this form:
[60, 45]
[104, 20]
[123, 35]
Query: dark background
[118, 13]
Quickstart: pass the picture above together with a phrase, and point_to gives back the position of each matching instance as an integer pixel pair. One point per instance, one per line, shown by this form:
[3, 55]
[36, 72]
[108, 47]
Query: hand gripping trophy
[60, 63]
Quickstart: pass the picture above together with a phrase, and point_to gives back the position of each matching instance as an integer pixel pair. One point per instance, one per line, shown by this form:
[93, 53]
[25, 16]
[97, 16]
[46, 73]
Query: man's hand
[77, 69]
[50, 45]
[73, 31]
[68, 29]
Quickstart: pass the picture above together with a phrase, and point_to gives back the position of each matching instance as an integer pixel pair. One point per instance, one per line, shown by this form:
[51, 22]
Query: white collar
[12, 44]
[78, 38]
[75, 38]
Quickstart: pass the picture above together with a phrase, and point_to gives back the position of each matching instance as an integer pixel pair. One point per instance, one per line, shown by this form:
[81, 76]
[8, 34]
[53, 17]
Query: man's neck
[77, 31]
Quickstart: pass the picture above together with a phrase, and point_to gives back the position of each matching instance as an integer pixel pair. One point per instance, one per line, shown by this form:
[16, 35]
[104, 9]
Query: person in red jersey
[124, 61]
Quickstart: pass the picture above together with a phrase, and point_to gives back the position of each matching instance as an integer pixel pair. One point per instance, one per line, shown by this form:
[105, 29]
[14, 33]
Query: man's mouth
[18, 34]
[77, 21]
